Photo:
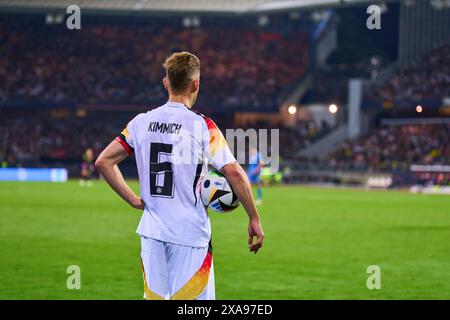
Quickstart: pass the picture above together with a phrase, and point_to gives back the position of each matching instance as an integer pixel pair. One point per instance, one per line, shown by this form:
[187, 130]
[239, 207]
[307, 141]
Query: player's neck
[181, 99]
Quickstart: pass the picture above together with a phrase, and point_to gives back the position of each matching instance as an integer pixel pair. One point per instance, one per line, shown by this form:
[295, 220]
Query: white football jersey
[173, 146]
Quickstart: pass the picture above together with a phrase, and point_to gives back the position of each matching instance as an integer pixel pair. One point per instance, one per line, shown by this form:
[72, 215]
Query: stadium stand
[37, 139]
[389, 148]
[429, 79]
[395, 148]
[44, 138]
[108, 63]
[112, 63]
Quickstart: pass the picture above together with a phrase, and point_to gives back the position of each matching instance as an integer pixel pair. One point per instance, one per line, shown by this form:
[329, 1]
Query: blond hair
[181, 69]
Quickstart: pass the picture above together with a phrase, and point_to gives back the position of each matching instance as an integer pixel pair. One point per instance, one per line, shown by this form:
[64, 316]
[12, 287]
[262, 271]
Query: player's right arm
[107, 163]
[238, 179]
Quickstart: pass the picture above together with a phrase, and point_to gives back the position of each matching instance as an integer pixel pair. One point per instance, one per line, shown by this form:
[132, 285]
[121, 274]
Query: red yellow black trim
[149, 294]
[123, 141]
[216, 140]
[197, 284]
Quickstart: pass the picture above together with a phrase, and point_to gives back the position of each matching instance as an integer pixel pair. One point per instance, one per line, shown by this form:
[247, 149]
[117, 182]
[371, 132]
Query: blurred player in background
[254, 172]
[175, 229]
[87, 168]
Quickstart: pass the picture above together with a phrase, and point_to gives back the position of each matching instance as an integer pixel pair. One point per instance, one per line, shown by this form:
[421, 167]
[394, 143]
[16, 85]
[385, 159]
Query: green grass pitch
[319, 243]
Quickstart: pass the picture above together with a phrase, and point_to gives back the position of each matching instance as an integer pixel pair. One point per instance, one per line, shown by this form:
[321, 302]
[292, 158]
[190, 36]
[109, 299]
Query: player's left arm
[107, 163]
[220, 156]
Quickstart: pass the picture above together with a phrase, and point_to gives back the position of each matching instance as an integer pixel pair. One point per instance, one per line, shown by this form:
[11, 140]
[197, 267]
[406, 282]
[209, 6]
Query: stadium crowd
[121, 64]
[33, 140]
[395, 148]
[242, 67]
[428, 79]
[303, 134]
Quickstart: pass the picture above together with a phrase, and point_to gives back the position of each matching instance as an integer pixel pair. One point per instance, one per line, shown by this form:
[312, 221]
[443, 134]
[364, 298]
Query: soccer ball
[217, 194]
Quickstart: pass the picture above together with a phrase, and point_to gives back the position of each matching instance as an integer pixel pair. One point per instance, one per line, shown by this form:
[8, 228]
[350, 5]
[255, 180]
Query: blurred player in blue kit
[254, 172]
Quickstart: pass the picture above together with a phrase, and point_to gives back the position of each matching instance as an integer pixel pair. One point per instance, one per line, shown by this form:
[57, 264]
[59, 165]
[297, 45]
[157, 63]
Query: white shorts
[176, 272]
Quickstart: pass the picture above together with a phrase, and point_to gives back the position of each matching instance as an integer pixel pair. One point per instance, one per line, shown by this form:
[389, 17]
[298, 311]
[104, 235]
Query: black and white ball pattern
[217, 194]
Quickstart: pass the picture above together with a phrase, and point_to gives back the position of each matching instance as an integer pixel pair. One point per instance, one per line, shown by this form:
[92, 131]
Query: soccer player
[254, 172]
[87, 167]
[173, 146]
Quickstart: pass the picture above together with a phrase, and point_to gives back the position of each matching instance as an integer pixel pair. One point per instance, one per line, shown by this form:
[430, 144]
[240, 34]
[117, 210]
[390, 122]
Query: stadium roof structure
[179, 6]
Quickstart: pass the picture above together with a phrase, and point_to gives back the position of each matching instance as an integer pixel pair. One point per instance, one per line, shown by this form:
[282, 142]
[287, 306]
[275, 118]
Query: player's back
[172, 145]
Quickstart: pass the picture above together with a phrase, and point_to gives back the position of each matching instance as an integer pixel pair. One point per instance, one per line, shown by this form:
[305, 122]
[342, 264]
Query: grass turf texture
[319, 243]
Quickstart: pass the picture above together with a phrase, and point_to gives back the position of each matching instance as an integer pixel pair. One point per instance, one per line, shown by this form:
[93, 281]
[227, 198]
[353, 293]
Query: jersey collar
[175, 105]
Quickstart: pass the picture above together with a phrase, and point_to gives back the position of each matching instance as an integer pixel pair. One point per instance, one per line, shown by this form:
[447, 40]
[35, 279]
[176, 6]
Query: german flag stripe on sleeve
[122, 139]
[217, 141]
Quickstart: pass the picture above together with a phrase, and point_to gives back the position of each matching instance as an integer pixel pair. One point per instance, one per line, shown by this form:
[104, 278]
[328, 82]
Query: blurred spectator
[428, 79]
[121, 64]
[35, 137]
[395, 147]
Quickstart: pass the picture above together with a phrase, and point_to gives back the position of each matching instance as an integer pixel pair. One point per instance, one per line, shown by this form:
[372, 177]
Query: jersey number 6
[161, 173]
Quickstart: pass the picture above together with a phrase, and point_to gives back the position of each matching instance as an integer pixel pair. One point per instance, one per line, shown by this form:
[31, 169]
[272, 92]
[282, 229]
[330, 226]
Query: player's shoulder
[207, 120]
[136, 120]
[198, 116]
[184, 113]
[140, 116]
[145, 115]
[194, 113]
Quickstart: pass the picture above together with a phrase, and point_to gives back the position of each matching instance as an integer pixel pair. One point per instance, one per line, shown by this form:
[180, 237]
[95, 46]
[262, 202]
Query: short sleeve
[215, 146]
[125, 138]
